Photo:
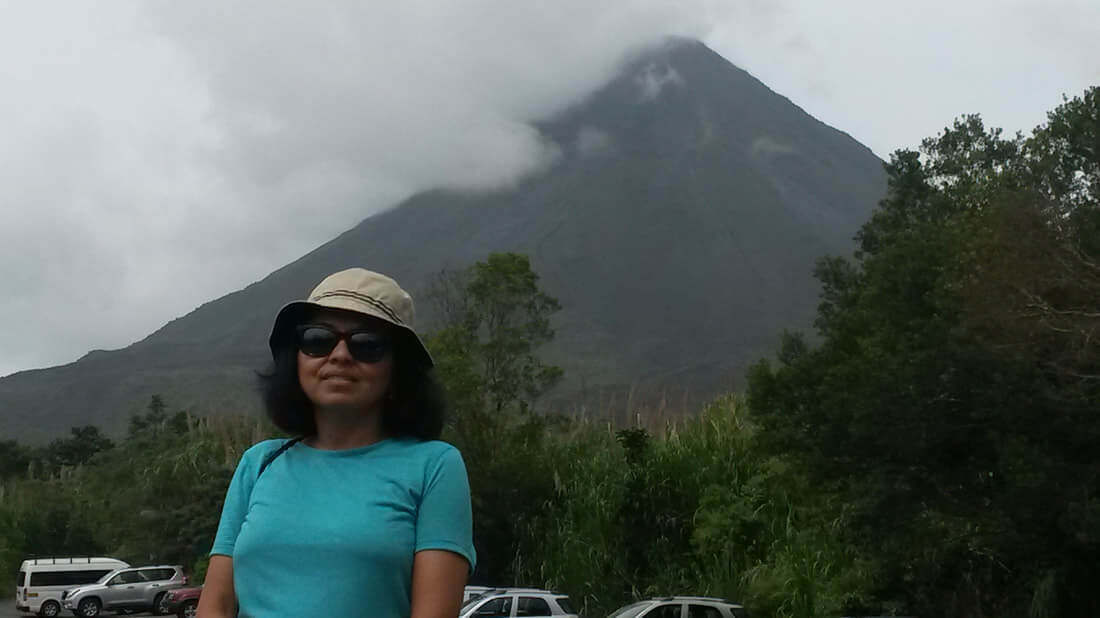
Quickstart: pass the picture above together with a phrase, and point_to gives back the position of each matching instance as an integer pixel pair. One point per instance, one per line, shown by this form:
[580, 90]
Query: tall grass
[603, 512]
[687, 508]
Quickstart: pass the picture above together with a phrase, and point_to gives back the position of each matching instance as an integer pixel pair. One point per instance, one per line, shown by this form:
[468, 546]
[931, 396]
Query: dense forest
[931, 450]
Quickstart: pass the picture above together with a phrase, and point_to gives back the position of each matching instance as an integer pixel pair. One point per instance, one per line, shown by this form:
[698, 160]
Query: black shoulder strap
[279, 451]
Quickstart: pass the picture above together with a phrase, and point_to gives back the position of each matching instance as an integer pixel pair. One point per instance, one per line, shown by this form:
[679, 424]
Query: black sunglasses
[319, 340]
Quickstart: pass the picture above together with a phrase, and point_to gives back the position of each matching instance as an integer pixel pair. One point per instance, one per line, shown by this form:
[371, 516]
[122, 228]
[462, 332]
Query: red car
[183, 601]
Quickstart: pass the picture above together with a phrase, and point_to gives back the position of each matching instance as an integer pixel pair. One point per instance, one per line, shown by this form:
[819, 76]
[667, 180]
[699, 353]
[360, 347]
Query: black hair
[413, 405]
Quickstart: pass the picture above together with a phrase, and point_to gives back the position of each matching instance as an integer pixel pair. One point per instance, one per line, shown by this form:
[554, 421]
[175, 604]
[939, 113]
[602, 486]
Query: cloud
[653, 79]
[593, 142]
[891, 74]
[768, 148]
[160, 154]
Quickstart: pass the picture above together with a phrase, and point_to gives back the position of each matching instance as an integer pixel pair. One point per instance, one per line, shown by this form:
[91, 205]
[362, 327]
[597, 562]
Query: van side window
[22, 577]
[90, 577]
[62, 578]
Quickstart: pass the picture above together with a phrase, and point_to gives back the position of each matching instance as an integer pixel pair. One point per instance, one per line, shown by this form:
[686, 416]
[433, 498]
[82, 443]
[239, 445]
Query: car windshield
[629, 611]
[473, 599]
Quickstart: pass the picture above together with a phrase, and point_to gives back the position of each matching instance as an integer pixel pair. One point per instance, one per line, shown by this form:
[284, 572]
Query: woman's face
[338, 380]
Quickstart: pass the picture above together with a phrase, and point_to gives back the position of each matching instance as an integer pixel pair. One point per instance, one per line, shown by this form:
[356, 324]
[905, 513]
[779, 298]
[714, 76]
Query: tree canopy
[955, 393]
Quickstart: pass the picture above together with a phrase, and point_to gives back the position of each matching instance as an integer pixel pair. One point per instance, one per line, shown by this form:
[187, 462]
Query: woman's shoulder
[263, 448]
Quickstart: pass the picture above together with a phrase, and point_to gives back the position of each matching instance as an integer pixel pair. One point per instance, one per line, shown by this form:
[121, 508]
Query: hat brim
[292, 314]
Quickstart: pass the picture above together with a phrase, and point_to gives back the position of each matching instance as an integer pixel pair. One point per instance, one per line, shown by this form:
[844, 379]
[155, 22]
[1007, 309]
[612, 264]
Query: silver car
[141, 589]
[508, 602]
[681, 607]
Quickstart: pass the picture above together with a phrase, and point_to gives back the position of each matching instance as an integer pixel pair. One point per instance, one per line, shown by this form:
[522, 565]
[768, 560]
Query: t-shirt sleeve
[236, 503]
[444, 519]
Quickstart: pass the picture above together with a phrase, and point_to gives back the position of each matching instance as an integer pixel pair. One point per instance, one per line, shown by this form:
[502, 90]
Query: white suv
[143, 589]
[508, 602]
[681, 607]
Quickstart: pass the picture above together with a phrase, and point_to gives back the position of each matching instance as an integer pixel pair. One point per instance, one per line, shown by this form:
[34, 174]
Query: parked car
[507, 602]
[41, 581]
[183, 602]
[141, 589]
[681, 607]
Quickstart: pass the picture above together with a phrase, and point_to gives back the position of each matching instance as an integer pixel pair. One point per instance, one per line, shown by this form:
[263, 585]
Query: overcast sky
[159, 154]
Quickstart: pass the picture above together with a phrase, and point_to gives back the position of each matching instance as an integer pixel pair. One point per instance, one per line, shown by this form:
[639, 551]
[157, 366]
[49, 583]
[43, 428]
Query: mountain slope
[678, 229]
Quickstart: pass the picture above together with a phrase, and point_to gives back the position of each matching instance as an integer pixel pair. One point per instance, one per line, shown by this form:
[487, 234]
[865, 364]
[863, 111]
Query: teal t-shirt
[334, 532]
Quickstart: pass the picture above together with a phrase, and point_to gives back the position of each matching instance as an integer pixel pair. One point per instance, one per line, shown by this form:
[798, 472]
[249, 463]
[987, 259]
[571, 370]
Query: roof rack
[515, 589]
[692, 598]
[63, 559]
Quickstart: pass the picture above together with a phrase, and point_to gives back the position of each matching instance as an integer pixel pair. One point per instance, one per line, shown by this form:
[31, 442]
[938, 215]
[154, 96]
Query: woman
[368, 514]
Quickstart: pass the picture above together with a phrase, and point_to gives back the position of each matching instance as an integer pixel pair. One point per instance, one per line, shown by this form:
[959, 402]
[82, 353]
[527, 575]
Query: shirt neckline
[355, 450]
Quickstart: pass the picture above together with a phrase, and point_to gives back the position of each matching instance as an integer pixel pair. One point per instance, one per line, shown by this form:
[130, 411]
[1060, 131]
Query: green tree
[14, 459]
[511, 318]
[486, 354]
[495, 317]
[155, 413]
[81, 445]
[953, 396]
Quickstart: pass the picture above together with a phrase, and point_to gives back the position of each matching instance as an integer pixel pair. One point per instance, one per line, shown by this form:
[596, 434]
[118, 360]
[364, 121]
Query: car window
[501, 606]
[155, 575]
[22, 577]
[126, 577]
[565, 605]
[532, 606]
[668, 610]
[473, 600]
[704, 611]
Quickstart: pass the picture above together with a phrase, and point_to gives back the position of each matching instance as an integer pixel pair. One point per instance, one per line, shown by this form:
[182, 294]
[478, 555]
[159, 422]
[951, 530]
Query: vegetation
[932, 453]
[954, 398]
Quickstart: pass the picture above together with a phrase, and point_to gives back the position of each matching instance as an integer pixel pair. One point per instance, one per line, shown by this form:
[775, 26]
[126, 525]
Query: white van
[40, 581]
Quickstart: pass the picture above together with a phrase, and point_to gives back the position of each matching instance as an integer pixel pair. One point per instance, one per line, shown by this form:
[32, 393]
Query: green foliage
[496, 317]
[153, 497]
[696, 509]
[81, 446]
[15, 459]
[953, 397]
[487, 354]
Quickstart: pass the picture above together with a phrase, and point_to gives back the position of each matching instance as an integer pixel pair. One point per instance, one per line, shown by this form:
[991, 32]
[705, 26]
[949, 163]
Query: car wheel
[160, 604]
[89, 608]
[188, 609]
[50, 609]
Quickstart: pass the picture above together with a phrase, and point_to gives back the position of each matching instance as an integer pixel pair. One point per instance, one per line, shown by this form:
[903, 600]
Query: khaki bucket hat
[361, 291]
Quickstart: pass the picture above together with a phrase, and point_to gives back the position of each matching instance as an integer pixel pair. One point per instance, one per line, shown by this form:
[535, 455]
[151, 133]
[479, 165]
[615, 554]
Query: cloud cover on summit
[166, 153]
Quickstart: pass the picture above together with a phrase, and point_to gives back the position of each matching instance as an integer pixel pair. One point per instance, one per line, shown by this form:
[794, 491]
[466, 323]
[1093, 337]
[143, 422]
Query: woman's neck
[339, 430]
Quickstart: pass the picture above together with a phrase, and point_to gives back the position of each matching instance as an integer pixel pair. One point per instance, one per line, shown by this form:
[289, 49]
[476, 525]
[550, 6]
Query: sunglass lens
[368, 347]
[316, 341]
